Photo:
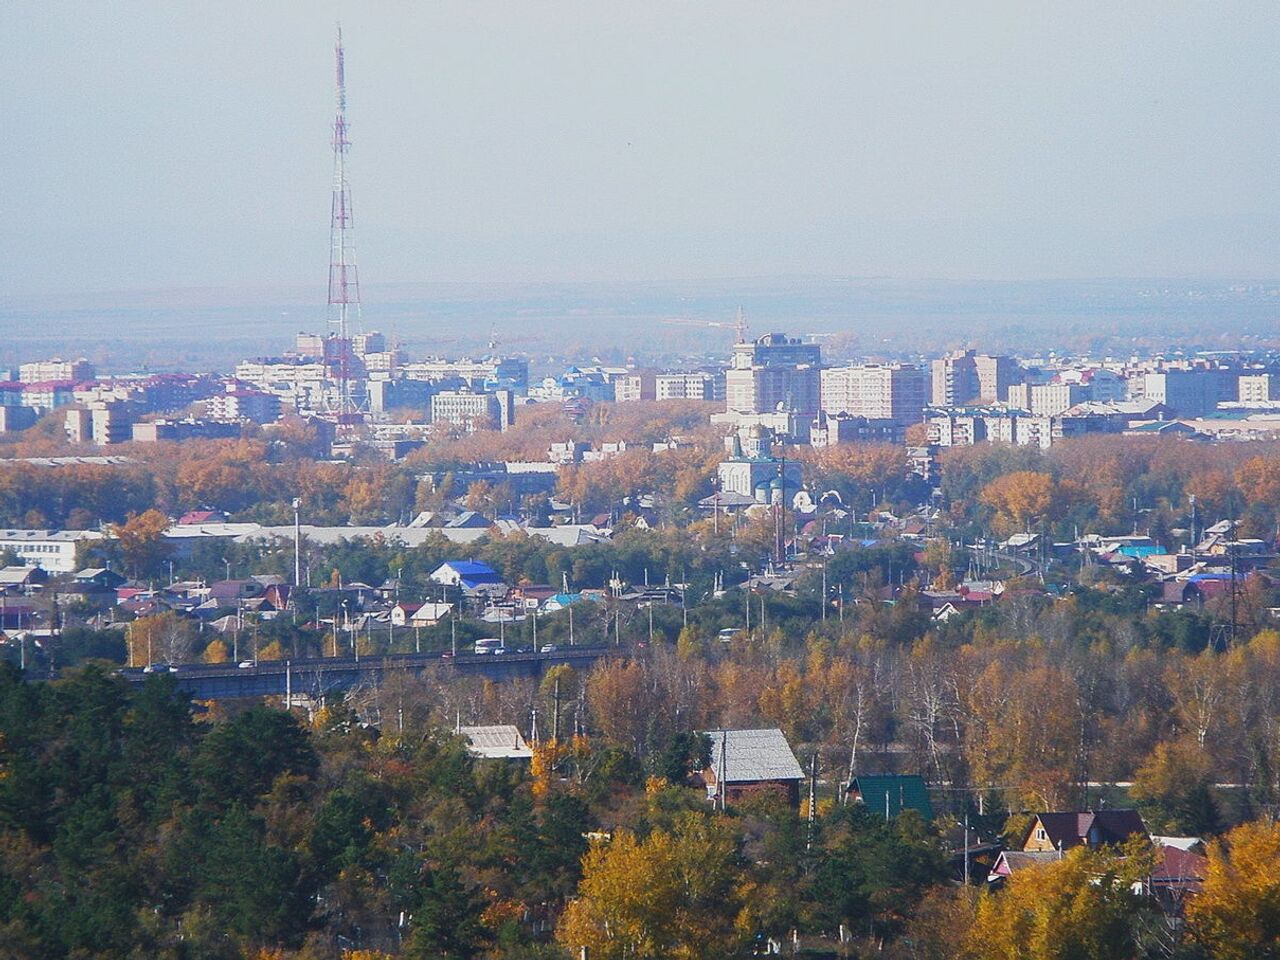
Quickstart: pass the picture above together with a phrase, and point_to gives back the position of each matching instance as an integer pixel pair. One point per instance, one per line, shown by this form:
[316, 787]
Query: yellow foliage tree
[1020, 498]
[142, 540]
[1236, 916]
[1079, 906]
[272, 651]
[671, 896]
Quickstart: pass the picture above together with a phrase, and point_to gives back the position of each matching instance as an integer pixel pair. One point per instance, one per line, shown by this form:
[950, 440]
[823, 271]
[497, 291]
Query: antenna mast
[344, 281]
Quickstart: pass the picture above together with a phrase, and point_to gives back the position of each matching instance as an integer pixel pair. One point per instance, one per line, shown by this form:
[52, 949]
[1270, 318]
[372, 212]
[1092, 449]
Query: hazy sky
[157, 144]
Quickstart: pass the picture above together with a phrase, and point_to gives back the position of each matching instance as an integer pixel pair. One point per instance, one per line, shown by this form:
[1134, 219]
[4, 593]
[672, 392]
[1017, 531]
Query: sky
[156, 145]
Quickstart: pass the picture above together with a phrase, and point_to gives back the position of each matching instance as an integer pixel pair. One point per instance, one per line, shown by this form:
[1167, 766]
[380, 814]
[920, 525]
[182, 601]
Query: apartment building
[41, 371]
[966, 377]
[300, 385]
[474, 411]
[509, 373]
[875, 391]
[636, 385]
[1190, 393]
[774, 373]
[52, 550]
[237, 403]
[1258, 388]
[699, 385]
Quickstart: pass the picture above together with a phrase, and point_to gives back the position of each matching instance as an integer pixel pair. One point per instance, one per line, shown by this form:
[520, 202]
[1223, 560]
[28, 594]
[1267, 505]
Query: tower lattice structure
[344, 279]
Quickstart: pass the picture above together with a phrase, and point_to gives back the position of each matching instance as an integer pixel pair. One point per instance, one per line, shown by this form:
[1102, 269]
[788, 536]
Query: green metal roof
[902, 792]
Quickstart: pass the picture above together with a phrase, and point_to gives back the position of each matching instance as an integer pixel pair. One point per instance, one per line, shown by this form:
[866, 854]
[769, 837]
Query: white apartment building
[474, 411]
[44, 371]
[1047, 399]
[876, 391]
[300, 386]
[688, 386]
[1259, 388]
[240, 404]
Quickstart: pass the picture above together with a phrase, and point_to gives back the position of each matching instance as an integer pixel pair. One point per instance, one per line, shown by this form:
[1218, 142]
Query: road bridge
[317, 677]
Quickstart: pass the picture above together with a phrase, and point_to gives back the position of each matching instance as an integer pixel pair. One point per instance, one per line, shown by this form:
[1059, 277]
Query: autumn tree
[1079, 906]
[160, 638]
[1020, 498]
[1173, 789]
[1236, 916]
[142, 541]
[671, 896]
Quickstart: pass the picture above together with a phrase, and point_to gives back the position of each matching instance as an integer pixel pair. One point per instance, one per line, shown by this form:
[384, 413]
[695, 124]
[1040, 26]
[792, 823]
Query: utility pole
[297, 544]
[555, 717]
[824, 588]
[720, 773]
[813, 799]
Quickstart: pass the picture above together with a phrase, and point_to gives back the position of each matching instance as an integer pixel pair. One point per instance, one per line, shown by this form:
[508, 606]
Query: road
[314, 677]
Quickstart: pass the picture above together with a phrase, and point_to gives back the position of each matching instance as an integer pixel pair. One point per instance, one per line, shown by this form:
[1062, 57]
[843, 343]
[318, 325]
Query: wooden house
[747, 762]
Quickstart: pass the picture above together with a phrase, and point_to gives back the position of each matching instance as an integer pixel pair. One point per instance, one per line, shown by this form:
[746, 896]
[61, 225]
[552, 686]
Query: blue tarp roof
[1139, 552]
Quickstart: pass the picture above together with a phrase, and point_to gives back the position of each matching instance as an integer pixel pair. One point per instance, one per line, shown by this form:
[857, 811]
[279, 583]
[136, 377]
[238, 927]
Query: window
[1040, 834]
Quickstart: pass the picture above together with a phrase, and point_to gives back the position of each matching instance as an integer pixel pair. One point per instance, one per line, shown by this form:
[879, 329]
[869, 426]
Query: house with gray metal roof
[746, 762]
[497, 742]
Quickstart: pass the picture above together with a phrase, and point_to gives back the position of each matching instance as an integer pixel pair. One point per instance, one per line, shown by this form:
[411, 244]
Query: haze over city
[575, 481]
[154, 145]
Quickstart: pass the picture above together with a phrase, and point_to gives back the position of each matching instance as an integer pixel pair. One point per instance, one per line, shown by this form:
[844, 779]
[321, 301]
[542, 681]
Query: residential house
[473, 578]
[889, 794]
[747, 762]
[423, 615]
[22, 580]
[1094, 828]
[497, 742]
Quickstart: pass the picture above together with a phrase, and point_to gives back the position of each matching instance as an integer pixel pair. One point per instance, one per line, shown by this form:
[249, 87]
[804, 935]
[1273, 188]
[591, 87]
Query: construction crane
[739, 324]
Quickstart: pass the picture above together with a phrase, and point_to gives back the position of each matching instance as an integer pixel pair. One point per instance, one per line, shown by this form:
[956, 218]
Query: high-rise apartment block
[1191, 393]
[964, 377]
[774, 373]
[895, 391]
[239, 403]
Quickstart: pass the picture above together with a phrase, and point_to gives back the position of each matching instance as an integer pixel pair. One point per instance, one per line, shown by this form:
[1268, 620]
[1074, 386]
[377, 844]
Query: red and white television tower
[344, 280]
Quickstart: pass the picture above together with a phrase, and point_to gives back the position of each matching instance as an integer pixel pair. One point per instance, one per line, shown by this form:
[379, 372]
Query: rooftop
[754, 755]
[497, 742]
